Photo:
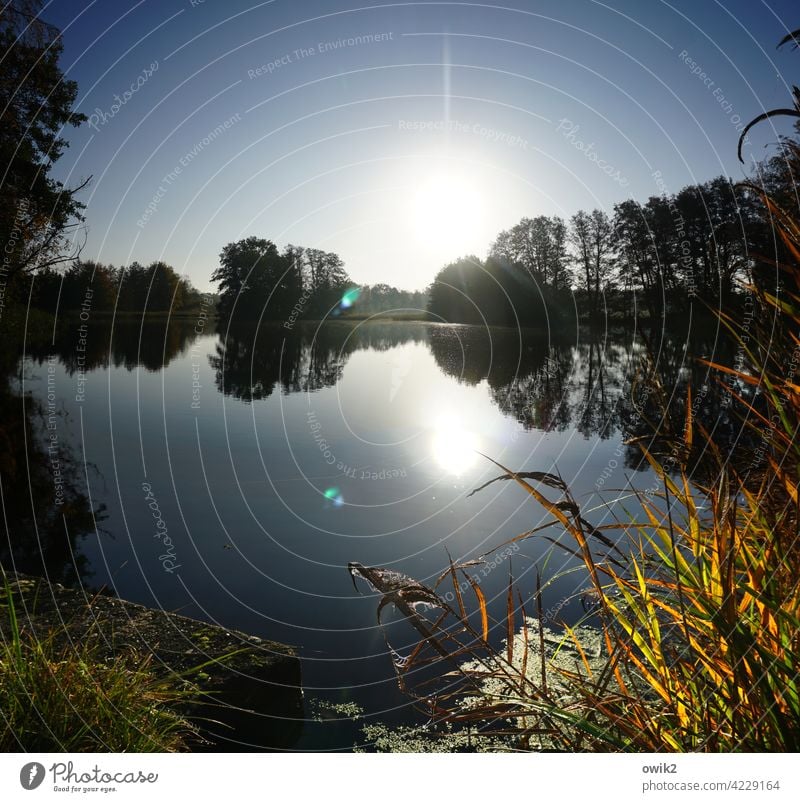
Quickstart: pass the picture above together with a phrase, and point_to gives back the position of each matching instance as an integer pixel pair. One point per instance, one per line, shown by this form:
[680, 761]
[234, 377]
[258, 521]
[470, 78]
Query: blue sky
[400, 135]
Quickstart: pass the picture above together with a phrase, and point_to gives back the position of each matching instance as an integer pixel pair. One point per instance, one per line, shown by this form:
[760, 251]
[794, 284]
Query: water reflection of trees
[251, 364]
[124, 343]
[44, 506]
[668, 384]
[545, 385]
[603, 386]
[599, 387]
[613, 385]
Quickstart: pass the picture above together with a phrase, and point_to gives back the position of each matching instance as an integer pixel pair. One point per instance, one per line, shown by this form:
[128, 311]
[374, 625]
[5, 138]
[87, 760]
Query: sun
[445, 210]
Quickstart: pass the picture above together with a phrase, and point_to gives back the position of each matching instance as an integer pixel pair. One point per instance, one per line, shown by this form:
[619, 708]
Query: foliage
[376, 298]
[38, 214]
[538, 246]
[57, 698]
[694, 244]
[699, 619]
[257, 281]
[94, 288]
[323, 279]
[495, 292]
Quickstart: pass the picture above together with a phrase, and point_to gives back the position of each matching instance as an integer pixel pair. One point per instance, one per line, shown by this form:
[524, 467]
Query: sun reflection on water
[454, 448]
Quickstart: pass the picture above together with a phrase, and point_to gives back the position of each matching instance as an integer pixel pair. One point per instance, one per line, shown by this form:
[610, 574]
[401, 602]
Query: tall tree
[456, 290]
[537, 245]
[638, 261]
[38, 214]
[718, 217]
[256, 280]
[592, 238]
[87, 286]
[325, 281]
[165, 288]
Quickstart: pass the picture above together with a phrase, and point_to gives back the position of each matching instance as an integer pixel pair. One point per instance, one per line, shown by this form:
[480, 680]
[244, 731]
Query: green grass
[56, 698]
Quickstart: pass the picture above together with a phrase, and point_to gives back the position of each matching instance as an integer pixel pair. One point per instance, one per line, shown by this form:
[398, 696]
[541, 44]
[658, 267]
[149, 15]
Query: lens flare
[333, 495]
[349, 298]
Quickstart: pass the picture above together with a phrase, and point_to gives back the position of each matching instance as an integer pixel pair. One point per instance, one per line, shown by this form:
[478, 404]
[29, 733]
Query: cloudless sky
[409, 149]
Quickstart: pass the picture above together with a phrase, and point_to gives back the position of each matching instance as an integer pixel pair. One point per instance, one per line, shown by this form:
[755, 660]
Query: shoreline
[250, 688]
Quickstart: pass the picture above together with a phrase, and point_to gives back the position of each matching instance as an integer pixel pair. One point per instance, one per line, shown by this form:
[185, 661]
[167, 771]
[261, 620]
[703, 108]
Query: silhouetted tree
[255, 280]
[494, 292]
[37, 213]
[716, 220]
[463, 293]
[591, 236]
[90, 286]
[639, 266]
[324, 279]
[537, 245]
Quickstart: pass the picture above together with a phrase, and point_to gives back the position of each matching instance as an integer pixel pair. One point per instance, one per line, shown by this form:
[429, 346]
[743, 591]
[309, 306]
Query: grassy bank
[57, 697]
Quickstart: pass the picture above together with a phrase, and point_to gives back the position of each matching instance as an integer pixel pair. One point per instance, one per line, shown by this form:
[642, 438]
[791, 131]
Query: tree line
[255, 281]
[90, 287]
[374, 299]
[694, 245]
[258, 281]
[677, 248]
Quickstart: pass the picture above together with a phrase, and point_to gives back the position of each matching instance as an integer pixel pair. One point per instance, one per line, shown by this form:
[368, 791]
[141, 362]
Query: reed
[696, 642]
[698, 635]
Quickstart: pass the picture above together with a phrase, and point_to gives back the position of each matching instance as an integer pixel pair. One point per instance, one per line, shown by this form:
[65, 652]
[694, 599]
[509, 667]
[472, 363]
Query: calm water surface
[276, 459]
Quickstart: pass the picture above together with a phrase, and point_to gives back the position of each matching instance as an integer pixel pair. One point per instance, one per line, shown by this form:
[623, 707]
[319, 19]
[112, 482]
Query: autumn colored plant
[696, 643]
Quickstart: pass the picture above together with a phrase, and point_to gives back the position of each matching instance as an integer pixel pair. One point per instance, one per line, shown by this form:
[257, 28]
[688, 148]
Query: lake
[273, 459]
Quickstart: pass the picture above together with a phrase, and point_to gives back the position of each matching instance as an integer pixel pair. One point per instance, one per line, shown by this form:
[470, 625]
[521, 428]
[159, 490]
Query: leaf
[688, 430]
[761, 117]
[793, 37]
[457, 590]
[510, 619]
[545, 478]
[396, 588]
[541, 631]
[457, 567]
[482, 605]
[525, 644]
